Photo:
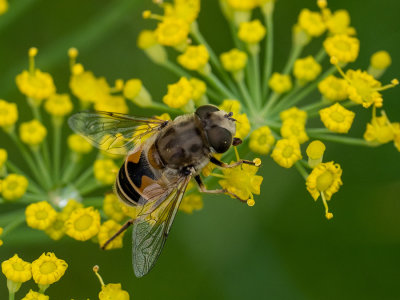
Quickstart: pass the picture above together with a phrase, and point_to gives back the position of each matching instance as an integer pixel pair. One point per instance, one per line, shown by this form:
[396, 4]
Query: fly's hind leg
[203, 189]
[242, 161]
[121, 230]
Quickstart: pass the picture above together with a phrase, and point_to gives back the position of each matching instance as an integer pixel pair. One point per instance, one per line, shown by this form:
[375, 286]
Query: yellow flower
[57, 229]
[199, 88]
[311, 22]
[1, 232]
[3, 158]
[8, 114]
[242, 181]
[113, 291]
[107, 230]
[32, 133]
[363, 88]
[251, 32]
[146, 39]
[3, 6]
[381, 60]
[295, 114]
[234, 60]
[86, 87]
[333, 88]
[294, 129]
[306, 69]
[324, 180]
[71, 206]
[36, 85]
[242, 125]
[83, 224]
[172, 32]
[40, 215]
[105, 171]
[286, 152]
[339, 23]
[230, 105]
[112, 103]
[78, 144]
[243, 5]
[379, 130]
[343, 47]
[194, 58]
[48, 269]
[58, 105]
[13, 187]
[16, 270]
[315, 152]
[261, 140]
[187, 10]
[35, 296]
[207, 170]
[132, 88]
[190, 203]
[179, 93]
[280, 83]
[337, 118]
[112, 207]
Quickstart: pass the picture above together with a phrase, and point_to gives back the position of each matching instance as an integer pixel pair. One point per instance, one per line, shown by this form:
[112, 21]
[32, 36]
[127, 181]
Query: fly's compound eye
[203, 112]
[220, 139]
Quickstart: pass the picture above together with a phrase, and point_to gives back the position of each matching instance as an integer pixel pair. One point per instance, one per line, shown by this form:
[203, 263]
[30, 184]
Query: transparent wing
[152, 226]
[113, 132]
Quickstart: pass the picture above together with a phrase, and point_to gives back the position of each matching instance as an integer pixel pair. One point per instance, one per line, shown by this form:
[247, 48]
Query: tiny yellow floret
[315, 152]
[242, 5]
[381, 60]
[231, 105]
[379, 130]
[13, 187]
[199, 88]
[32, 133]
[48, 269]
[78, 144]
[343, 47]
[261, 140]
[83, 224]
[172, 32]
[242, 125]
[40, 215]
[286, 152]
[106, 231]
[295, 114]
[294, 129]
[58, 105]
[105, 171]
[16, 270]
[8, 114]
[280, 83]
[333, 88]
[306, 69]
[311, 22]
[35, 296]
[234, 60]
[251, 32]
[37, 85]
[195, 58]
[337, 118]
[179, 93]
[112, 207]
[191, 203]
[113, 291]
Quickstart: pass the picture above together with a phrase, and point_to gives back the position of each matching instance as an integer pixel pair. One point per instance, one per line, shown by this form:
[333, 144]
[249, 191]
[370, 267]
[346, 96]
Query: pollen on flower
[379, 130]
[113, 291]
[337, 118]
[16, 269]
[32, 295]
[306, 69]
[199, 89]
[8, 114]
[48, 269]
[105, 171]
[58, 105]
[112, 207]
[83, 224]
[343, 47]
[57, 229]
[36, 84]
[32, 133]
[183, 9]
[194, 58]
[234, 60]
[295, 114]
[179, 93]
[107, 230]
[87, 88]
[251, 32]
[280, 83]
[261, 140]
[172, 32]
[294, 129]
[40, 215]
[13, 187]
[78, 144]
[311, 22]
[333, 88]
[339, 23]
[112, 103]
[286, 152]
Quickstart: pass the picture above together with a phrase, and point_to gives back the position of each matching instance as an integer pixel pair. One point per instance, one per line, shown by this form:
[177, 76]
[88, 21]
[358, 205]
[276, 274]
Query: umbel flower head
[48, 269]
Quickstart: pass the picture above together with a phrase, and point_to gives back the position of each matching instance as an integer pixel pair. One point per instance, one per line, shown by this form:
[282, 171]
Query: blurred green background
[283, 247]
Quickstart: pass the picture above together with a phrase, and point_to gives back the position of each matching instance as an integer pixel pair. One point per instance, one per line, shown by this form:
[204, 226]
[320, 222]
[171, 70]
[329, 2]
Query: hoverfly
[156, 172]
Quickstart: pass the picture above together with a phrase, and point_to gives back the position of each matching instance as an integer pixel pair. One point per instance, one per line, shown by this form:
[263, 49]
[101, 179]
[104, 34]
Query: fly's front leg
[256, 162]
[121, 230]
[203, 189]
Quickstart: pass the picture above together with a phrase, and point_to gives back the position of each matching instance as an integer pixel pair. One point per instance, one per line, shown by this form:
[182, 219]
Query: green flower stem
[234, 33]
[199, 38]
[274, 125]
[318, 130]
[71, 168]
[274, 110]
[297, 97]
[160, 106]
[303, 172]
[8, 217]
[247, 97]
[271, 102]
[294, 54]
[349, 103]
[219, 86]
[33, 197]
[313, 106]
[27, 158]
[45, 172]
[255, 79]
[32, 186]
[89, 187]
[57, 128]
[342, 139]
[93, 201]
[305, 164]
[17, 221]
[85, 175]
[320, 56]
[11, 296]
[269, 53]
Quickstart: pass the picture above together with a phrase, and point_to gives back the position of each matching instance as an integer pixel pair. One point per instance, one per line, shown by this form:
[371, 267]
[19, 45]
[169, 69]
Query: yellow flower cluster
[58, 105]
[306, 69]
[381, 131]
[32, 133]
[78, 144]
[261, 140]
[179, 94]
[286, 152]
[40, 215]
[234, 60]
[337, 118]
[194, 58]
[342, 47]
[191, 203]
[83, 224]
[333, 88]
[280, 83]
[251, 32]
[105, 171]
[8, 114]
[13, 187]
[311, 22]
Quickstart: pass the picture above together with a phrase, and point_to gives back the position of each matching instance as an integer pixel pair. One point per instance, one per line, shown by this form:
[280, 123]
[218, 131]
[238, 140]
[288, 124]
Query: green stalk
[89, 187]
[34, 198]
[7, 218]
[294, 54]
[319, 57]
[270, 103]
[274, 110]
[89, 172]
[269, 53]
[57, 128]
[255, 79]
[11, 296]
[71, 167]
[247, 97]
[303, 172]
[219, 86]
[342, 139]
[32, 186]
[45, 172]
[17, 221]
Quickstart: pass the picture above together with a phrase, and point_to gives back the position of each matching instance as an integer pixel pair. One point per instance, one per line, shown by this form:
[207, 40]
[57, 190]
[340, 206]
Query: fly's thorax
[182, 143]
